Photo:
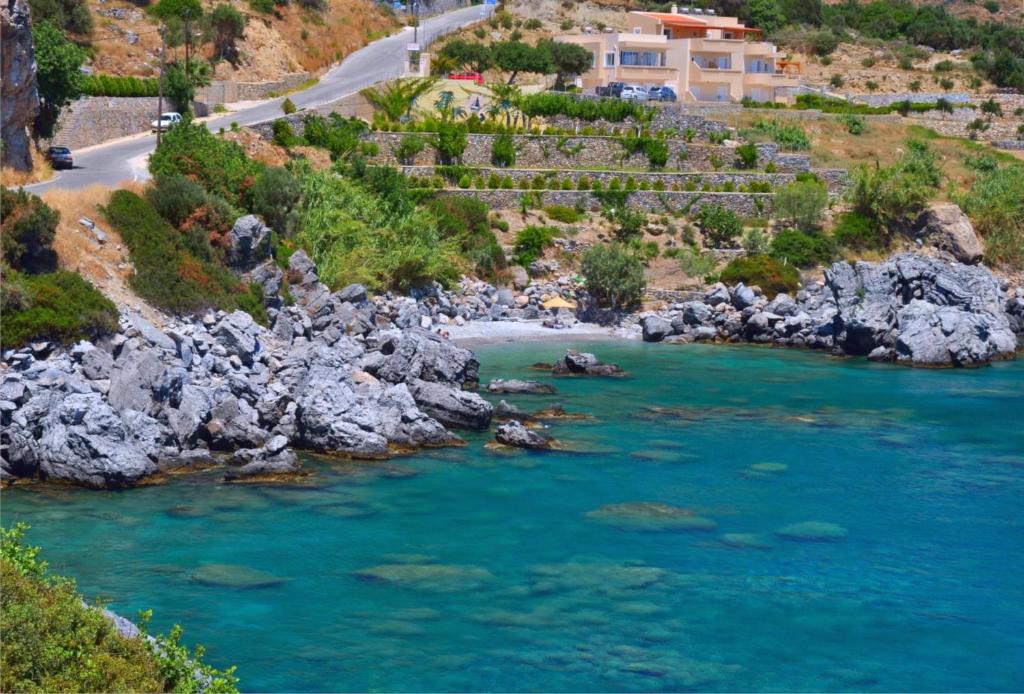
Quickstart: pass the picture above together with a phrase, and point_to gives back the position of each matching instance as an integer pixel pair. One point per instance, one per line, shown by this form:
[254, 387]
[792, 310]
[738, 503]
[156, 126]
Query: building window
[642, 59]
[636, 30]
[609, 59]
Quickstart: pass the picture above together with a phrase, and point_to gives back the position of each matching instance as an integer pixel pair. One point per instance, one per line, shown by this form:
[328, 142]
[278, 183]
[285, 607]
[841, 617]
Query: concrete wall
[743, 204]
[94, 119]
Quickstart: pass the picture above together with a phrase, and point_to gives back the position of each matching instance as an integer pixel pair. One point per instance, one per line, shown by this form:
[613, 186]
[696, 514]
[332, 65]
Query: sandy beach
[476, 333]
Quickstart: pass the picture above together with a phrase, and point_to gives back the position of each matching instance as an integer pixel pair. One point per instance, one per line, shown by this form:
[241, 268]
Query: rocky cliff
[19, 101]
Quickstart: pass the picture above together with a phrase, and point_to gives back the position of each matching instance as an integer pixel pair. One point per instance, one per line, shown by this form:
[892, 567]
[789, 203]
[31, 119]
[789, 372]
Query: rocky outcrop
[515, 386]
[514, 434]
[153, 398]
[584, 364]
[946, 226]
[19, 101]
[248, 243]
[913, 309]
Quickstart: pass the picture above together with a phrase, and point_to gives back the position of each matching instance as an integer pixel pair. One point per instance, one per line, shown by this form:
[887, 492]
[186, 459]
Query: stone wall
[94, 119]
[743, 204]
[551, 152]
[1008, 144]
[836, 179]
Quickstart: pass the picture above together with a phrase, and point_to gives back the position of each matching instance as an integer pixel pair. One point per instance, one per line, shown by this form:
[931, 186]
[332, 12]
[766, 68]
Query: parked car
[662, 94]
[470, 76]
[166, 120]
[60, 158]
[633, 92]
[614, 90]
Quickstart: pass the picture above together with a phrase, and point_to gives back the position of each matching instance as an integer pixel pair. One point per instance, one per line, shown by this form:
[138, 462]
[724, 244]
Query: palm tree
[506, 99]
[445, 105]
[396, 99]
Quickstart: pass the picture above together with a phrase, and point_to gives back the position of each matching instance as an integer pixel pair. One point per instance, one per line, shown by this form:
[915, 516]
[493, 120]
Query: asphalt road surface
[125, 159]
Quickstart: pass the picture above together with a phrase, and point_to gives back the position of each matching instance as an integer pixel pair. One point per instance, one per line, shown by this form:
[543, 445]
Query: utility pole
[188, 40]
[415, 21]
[160, 92]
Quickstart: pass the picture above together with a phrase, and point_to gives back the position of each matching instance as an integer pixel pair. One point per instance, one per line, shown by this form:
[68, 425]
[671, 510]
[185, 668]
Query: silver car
[634, 92]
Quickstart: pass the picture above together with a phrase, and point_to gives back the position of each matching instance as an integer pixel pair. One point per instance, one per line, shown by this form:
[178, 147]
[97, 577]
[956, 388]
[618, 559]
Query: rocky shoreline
[343, 374]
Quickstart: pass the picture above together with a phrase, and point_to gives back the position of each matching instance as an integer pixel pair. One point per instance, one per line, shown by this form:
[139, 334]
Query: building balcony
[710, 71]
[641, 40]
[644, 73]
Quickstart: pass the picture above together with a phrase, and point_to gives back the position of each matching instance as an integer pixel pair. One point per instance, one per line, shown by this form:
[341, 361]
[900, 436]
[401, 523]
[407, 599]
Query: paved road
[381, 60]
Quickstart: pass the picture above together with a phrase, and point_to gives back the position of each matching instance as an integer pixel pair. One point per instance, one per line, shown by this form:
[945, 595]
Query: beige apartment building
[703, 56]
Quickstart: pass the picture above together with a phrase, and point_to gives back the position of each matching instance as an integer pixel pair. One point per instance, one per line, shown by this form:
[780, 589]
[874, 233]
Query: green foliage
[68, 15]
[854, 123]
[263, 6]
[450, 141]
[288, 107]
[54, 642]
[115, 85]
[613, 276]
[340, 136]
[765, 14]
[762, 271]
[55, 306]
[996, 207]
[503, 151]
[802, 204]
[226, 26]
[695, 263]
[396, 98]
[170, 273]
[720, 225]
[789, 136]
[747, 155]
[175, 198]
[468, 54]
[284, 134]
[546, 104]
[657, 152]
[58, 63]
[177, 9]
[353, 237]
[893, 196]
[514, 57]
[220, 166]
[465, 221]
[803, 249]
[531, 242]
[563, 213]
[275, 198]
[408, 148]
[858, 233]
[566, 59]
[27, 229]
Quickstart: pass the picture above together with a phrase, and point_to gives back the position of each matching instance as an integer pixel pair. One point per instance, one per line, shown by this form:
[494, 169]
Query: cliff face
[20, 99]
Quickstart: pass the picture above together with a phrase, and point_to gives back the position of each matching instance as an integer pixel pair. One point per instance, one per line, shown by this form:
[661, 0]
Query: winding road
[125, 159]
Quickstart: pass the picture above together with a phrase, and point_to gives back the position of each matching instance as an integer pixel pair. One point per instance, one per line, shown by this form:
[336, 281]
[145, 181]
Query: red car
[469, 76]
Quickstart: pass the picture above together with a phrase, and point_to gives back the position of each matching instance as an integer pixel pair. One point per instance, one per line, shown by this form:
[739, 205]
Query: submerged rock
[435, 578]
[744, 541]
[516, 386]
[813, 531]
[584, 363]
[649, 516]
[513, 433]
[450, 406]
[235, 576]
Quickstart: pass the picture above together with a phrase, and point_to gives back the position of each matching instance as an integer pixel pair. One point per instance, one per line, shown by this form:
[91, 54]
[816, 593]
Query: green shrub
[465, 182]
[55, 306]
[275, 198]
[857, 232]
[747, 155]
[27, 229]
[657, 152]
[563, 213]
[408, 148]
[465, 222]
[694, 263]
[762, 271]
[893, 196]
[503, 151]
[114, 85]
[854, 123]
[175, 198]
[531, 242]
[450, 141]
[802, 203]
[546, 104]
[996, 207]
[789, 136]
[494, 181]
[288, 107]
[613, 276]
[719, 225]
[803, 249]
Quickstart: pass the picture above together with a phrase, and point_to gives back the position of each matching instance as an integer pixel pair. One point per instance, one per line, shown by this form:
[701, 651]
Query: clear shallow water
[502, 582]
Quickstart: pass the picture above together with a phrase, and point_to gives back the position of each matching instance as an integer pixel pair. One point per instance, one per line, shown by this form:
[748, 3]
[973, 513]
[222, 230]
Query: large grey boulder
[272, 460]
[584, 364]
[516, 386]
[743, 296]
[655, 328]
[249, 243]
[418, 354]
[151, 334]
[135, 373]
[931, 335]
[513, 433]
[97, 364]
[237, 333]
[87, 443]
[948, 228]
[353, 293]
[451, 406]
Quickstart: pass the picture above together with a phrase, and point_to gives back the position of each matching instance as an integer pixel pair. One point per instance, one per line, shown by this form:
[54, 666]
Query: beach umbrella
[558, 302]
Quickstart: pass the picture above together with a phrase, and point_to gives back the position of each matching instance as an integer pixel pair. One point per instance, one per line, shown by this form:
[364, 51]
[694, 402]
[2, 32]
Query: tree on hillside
[802, 11]
[475, 56]
[507, 100]
[765, 14]
[226, 26]
[58, 63]
[514, 57]
[180, 85]
[614, 276]
[567, 59]
[396, 99]
[69, 15]
[177, 9]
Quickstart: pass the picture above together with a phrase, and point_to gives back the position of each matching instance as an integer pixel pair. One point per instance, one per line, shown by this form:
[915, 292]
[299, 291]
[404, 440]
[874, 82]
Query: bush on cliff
[54, 642]
[531, 242]
[55, 306]
[893, 196]
[803, 249]
[172, 271]
[465, 220]
[995, 204]
[762, 271]
[27, 229]
[614, 276]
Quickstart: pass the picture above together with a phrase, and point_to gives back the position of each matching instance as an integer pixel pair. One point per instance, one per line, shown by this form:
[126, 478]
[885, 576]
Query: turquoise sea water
[471, 569]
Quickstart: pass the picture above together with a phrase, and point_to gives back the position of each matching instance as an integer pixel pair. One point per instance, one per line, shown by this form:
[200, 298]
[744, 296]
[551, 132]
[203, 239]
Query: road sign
[412, 47]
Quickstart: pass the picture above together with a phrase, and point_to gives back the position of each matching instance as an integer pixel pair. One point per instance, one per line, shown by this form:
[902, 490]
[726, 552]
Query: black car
[60, 158]
[662, 94]
[614, 90]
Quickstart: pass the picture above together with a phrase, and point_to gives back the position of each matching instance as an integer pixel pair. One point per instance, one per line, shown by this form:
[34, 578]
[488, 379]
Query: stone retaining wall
[94, 119]
[743, 204]
[1008, 144]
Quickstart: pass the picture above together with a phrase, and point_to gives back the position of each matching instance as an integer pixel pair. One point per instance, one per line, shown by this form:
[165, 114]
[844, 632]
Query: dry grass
[41, 171]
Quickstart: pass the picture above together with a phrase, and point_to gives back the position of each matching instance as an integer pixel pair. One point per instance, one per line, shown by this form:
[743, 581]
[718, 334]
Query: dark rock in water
[655, 328]
[813, 531]
[541, 366]
[556, 411]
[584, 363]
[513, 433]
[451, 406]
[504, 410]
[515, 386]
[271, 461]
[249, 243]
[235, 576]
[651, 517]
